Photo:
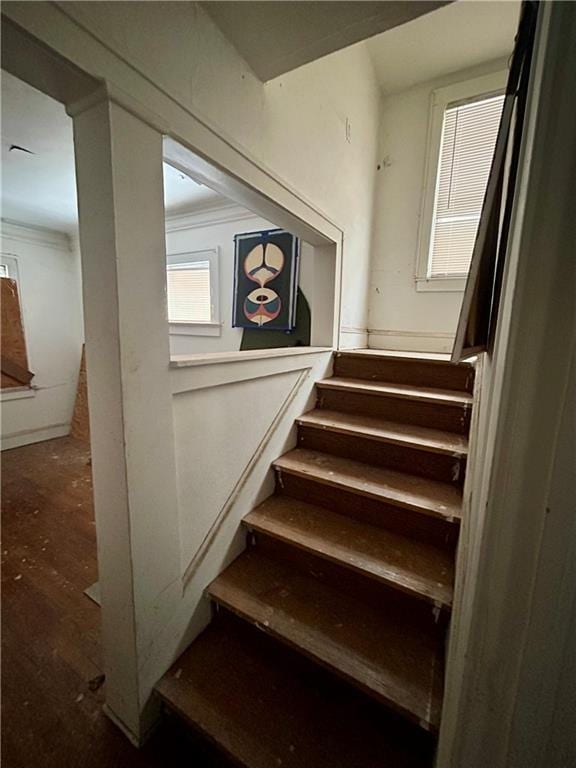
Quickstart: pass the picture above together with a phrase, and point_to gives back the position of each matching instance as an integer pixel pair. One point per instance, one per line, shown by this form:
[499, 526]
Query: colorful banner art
[266, 280]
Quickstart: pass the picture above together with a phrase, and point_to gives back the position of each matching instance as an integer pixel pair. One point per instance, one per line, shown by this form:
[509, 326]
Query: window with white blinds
[192, 288]
[467, 145]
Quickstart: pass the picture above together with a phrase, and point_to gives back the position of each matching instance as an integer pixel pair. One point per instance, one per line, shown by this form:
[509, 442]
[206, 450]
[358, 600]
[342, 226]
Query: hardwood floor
[52, 691]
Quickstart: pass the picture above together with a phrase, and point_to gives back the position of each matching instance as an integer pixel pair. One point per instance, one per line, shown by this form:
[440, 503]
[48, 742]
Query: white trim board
[410, 341]
[29, 436]
[208, 217]
[49, 238]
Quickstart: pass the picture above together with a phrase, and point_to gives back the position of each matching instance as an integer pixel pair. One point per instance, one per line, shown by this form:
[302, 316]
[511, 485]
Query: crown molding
[27, 233]
[208, 217]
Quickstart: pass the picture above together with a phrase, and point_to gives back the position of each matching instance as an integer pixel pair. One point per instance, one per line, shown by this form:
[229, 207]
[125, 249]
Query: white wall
[400, 317]
[50, 296]
[294, 125]
[231, 420]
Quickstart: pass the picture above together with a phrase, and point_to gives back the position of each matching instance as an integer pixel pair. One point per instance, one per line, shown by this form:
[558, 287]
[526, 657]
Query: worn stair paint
[414, 567]
[392, 653]
[266, 706]
[348, 576]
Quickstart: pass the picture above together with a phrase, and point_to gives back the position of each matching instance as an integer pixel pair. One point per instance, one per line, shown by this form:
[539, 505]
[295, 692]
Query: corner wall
[314, 129]
[400, 317]
[49, 284]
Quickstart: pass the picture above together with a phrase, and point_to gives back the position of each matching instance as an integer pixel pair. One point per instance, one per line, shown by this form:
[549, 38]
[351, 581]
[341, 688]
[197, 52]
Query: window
[462, 141]
[192, 282]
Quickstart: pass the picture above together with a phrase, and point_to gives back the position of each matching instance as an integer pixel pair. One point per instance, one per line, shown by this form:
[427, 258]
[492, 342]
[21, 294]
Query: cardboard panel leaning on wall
[50, 296]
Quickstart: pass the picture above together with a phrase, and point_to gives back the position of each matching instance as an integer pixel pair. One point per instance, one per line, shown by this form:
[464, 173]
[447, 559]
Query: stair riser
[402, 521]
[416, 372]
[403, 458]
[452, 418]
[363, 586]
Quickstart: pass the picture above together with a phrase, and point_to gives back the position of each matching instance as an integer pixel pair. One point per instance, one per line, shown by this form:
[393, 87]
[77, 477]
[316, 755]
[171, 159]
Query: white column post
[120, 192]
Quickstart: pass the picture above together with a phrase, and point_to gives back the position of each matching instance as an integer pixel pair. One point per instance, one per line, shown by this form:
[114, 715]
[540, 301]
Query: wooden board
[434, 440]
[80, 427]
[412, 392]
[385, 650]
[407, 491]
[388, 447]
[417, 371]
[430, 408]
[13, 340]
[265, 706]
[406, 564]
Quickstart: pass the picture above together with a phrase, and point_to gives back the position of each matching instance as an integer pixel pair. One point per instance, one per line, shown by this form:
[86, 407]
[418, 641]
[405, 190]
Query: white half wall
[400, 317]
[49, 282]
[232, 419]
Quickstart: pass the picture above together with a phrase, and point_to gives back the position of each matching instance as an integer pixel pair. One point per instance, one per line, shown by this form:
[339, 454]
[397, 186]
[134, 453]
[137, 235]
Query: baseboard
[353, 338]
[410, 341]
[29, 436]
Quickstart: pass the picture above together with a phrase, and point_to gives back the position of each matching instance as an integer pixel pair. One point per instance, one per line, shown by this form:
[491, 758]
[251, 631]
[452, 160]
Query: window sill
[16, 393]
[195, 329]
[449, 284]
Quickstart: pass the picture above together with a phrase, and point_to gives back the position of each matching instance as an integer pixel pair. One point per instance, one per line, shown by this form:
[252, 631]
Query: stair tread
[412, 566]
[425, 394]
[410, 491]
[441, 358]
[386, 650]
[264, 706]
[373, 427]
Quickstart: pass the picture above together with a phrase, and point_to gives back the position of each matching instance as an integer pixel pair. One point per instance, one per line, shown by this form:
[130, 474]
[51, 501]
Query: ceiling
[459, 35]
[276, 37]
[39, 188]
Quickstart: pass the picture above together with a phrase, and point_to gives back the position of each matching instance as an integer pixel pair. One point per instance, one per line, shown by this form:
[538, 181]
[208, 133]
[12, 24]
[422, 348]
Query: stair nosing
[390, 579]
[306, 421]
[457, 399]
[387, 499]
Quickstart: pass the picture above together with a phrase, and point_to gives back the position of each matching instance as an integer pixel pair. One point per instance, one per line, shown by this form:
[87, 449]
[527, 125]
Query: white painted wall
[215, 228]
[400, 317]
[50, 296]
[231, 420]
[294, 125]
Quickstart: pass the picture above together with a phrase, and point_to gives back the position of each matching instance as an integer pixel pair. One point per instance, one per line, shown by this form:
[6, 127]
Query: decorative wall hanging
[265, 280]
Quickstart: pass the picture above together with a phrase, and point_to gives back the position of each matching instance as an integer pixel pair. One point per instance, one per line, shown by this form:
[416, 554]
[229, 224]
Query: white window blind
[468, 139]
[189, 294]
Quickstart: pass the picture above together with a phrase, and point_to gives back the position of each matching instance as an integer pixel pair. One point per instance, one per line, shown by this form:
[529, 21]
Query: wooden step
[357, 424]
[401, 391]
[386, 650]
[404, 370]
[265, 706]
[414, 567]
[432, 408]
[419, 494]
[408, 448]
[405, 522]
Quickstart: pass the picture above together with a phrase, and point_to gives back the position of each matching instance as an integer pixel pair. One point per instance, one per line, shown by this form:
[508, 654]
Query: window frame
[214, 327]
[441, 98]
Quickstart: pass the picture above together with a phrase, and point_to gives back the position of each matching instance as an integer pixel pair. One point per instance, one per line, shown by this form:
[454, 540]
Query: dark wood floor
[51, 658]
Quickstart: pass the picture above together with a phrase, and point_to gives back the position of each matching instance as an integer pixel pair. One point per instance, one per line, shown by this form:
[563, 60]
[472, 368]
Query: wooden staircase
[327, 642]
